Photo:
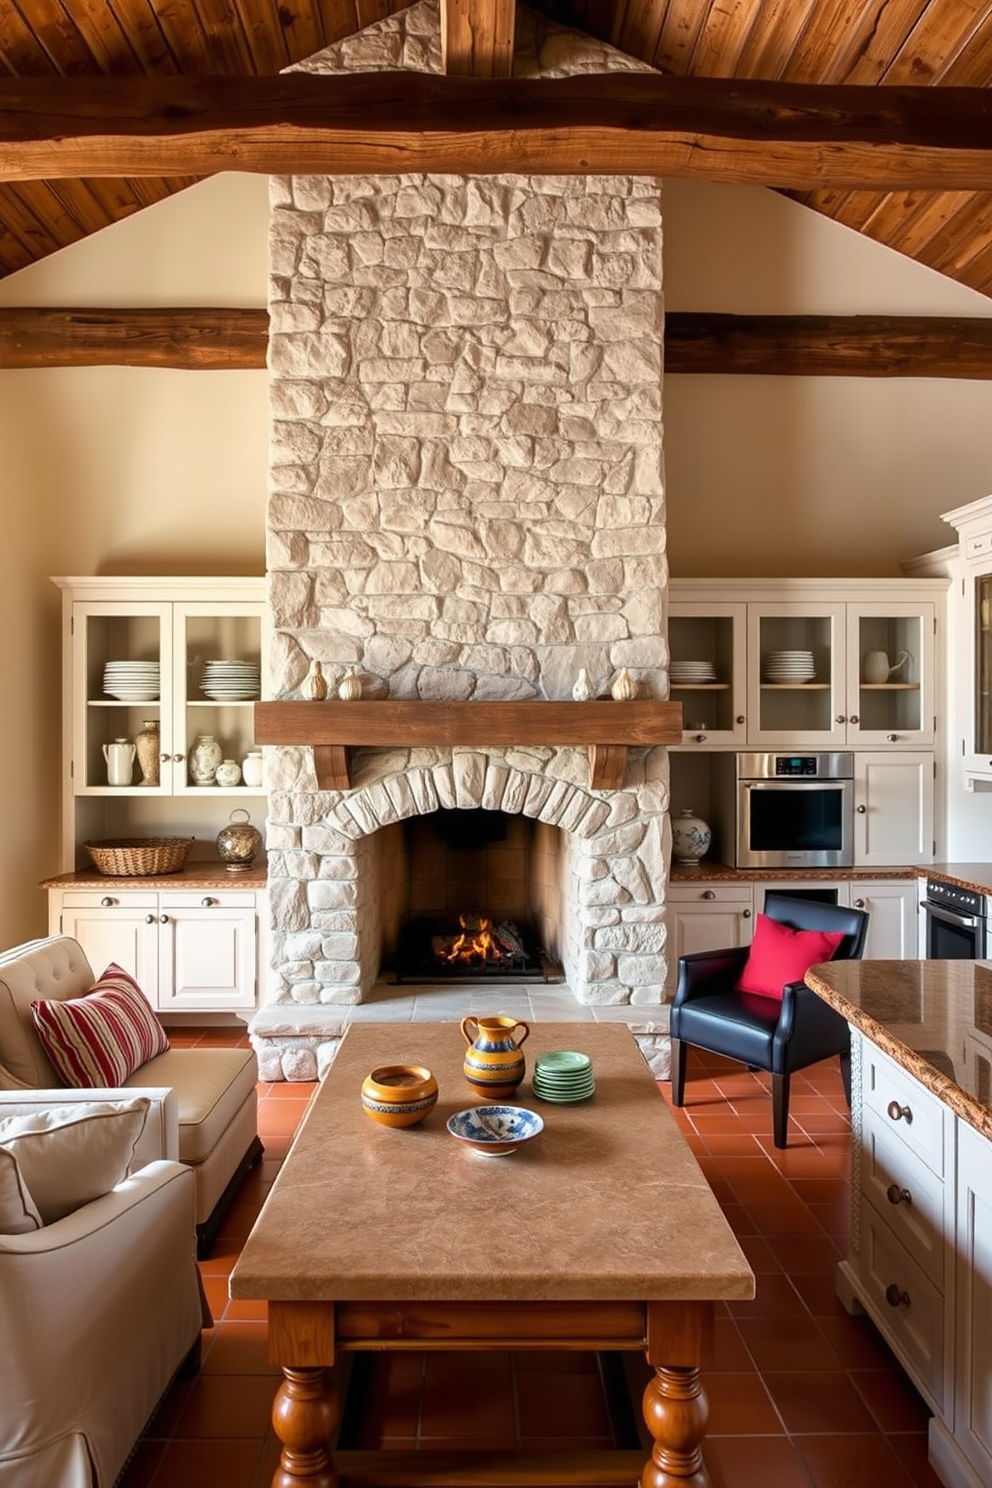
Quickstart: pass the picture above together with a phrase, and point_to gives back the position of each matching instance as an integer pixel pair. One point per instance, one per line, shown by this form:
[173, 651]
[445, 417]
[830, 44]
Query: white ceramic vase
[691, 837]
[228, 774]
[251, 768]
[204, 758]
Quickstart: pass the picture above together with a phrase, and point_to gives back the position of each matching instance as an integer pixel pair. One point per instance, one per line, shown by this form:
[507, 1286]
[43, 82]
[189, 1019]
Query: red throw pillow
[103, 1037]
[780, 954]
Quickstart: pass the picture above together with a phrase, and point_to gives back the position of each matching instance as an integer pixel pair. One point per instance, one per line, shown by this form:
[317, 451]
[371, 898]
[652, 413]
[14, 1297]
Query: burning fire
[475, 942]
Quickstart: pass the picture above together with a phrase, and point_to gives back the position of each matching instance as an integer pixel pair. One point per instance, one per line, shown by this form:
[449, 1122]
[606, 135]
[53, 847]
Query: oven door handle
[953, 916]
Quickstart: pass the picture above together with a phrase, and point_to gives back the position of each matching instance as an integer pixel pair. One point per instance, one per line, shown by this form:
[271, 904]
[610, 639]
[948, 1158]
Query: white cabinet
[852, 629]
[973, 662]
[705, 917]
[972, 1411]
[894, 909]
[189, 950]
[893, 809]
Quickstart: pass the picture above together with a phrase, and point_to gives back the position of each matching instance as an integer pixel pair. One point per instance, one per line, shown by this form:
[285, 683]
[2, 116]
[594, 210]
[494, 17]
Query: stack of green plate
[563, 1075]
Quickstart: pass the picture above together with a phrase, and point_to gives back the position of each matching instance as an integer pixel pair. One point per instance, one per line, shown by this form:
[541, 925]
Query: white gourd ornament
[314, 686]
[582, 691]
[350, 686]
[624, 687]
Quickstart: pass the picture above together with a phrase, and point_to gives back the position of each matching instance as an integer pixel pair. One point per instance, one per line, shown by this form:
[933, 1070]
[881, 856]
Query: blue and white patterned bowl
[495, 1130]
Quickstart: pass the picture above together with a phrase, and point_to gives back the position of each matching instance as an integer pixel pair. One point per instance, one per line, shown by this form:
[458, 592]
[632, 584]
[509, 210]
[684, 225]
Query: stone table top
[606, 1204]
[932, 1017]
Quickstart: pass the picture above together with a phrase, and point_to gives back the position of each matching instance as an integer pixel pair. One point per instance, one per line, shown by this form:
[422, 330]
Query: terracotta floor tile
[911, 1448]
[778, 1220]
[740, 1406]
[862, 1461]
[550, 1361]
[278, 1118]
[818, 1401]
[732, 1144]
[143, 1465]
[783, 1343]
[799, 1255]
[775, 1296]
[760, 1256]
[754, 1462]
[729, 1352]
[892, 1400]
[561, 1405]
[239, 1348]
[856, 1341]
[456, 1406]
[209, 1464]
[230, 1406]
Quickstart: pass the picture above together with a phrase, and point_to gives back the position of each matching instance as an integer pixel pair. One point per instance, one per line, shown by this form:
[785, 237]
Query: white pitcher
[878, 668]
[120, 761]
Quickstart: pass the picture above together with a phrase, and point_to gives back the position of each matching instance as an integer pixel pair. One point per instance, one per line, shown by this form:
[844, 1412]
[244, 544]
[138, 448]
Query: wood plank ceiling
[873, 42]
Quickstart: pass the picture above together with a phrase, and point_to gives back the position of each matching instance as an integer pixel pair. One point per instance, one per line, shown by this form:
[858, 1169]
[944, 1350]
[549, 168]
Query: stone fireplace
[466, 503]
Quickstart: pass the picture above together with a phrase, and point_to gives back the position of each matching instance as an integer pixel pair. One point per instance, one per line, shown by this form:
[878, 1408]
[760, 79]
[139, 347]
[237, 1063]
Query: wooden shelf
[606, 729]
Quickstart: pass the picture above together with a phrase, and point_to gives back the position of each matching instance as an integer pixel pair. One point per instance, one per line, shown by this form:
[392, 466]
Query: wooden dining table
[599, 1234]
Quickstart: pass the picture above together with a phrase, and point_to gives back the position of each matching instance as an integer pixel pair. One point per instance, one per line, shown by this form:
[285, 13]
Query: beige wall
[116, 470]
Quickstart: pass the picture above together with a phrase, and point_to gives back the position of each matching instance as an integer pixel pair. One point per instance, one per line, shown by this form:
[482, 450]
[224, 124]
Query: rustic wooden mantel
[606, 728]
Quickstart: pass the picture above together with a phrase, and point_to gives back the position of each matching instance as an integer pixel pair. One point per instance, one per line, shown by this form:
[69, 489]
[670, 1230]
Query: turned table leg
[304, 1414]
[676, 1412]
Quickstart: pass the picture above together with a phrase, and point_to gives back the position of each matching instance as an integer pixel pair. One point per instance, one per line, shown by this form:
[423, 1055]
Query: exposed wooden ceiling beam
[770, 134]
[830, 345]
[477, 37]
[766, 345]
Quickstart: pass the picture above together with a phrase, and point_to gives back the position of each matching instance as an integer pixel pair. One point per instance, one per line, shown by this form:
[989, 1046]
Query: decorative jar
[204, 758]
[120, 761]
[228, 773]
[691, 837]
[239, 843]
[399, 1094]
[251, 768]
[493, 1064]
[147, 746]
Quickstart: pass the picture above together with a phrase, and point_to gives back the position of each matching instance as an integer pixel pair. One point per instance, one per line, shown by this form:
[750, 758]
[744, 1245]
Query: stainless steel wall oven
[795, 810]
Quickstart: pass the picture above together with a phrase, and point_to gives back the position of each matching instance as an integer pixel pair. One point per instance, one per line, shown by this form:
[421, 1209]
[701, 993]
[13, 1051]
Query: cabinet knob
[178, 758]
[163, 919]
[740, 718]
[745, 914]
[895, 1296]
[207, 902]
[165, 758]
[841, 718]
[859, 904]
[897, 1195]
[700, 738]
[107, 902]
[854, 718]
[862, 810]
[896, 1112]
[149, 919]
[892, 738]
[708, 894]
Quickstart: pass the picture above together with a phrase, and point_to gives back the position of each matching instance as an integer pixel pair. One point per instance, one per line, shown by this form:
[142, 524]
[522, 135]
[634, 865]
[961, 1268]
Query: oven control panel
[953, 896]
[796, 764]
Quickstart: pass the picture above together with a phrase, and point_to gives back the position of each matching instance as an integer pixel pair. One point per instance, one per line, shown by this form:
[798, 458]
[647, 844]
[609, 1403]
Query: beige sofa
[98, 1311]
[213, 1089]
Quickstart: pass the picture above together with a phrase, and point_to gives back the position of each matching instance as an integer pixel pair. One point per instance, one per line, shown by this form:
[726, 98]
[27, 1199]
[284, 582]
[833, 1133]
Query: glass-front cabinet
[805, 664]
[973, 639]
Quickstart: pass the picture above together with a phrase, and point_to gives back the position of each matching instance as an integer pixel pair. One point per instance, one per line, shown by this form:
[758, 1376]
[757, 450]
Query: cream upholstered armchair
[213, 1090]
[99, 1307]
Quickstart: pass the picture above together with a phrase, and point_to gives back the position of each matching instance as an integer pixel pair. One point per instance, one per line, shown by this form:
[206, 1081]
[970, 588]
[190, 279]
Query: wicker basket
[139, 857]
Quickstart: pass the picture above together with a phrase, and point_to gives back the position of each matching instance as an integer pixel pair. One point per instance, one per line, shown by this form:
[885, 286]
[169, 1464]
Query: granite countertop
[934, 1018]
[712, 872]
[607, 1203]
[208, 875]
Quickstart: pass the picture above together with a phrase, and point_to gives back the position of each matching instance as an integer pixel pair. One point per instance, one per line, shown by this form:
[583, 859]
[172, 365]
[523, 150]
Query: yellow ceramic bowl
[399, 1094]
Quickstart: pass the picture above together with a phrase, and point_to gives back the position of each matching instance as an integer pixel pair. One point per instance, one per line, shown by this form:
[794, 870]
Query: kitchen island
[920, 1255]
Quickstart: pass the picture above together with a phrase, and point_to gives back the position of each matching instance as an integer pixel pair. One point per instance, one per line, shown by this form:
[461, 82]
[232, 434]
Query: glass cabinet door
[121, 673]
[217, 681]
[983, 665]
[706, 672]
[795, 656]
[890, 674]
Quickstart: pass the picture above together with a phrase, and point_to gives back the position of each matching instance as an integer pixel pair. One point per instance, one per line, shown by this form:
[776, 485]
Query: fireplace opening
[479, 899]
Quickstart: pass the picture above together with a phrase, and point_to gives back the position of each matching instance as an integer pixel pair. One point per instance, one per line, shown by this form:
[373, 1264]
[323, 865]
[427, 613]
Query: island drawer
[906, 1194]
[907, 1307]
[912, 1115]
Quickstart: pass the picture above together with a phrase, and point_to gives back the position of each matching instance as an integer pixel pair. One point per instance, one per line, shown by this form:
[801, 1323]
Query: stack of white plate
[688, 673]
[788, 666]
[231, 681]
[563, 1076]
[131, 681]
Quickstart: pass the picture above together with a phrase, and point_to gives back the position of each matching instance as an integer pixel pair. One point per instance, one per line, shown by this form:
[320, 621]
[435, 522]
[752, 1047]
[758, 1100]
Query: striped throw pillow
[103, 1037]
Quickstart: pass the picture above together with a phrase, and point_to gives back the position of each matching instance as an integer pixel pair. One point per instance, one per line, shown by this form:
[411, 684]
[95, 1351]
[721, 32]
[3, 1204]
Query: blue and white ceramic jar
[691, 837]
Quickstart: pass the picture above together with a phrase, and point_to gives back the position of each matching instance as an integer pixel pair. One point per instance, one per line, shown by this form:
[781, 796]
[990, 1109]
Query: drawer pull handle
[897, 1195]
[106, 902]
[708, 894]
[895, 1296]
[208, 903]
[896, 1112]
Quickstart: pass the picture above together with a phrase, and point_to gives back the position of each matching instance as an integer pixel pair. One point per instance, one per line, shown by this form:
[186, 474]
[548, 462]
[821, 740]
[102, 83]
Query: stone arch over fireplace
[330, 881]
